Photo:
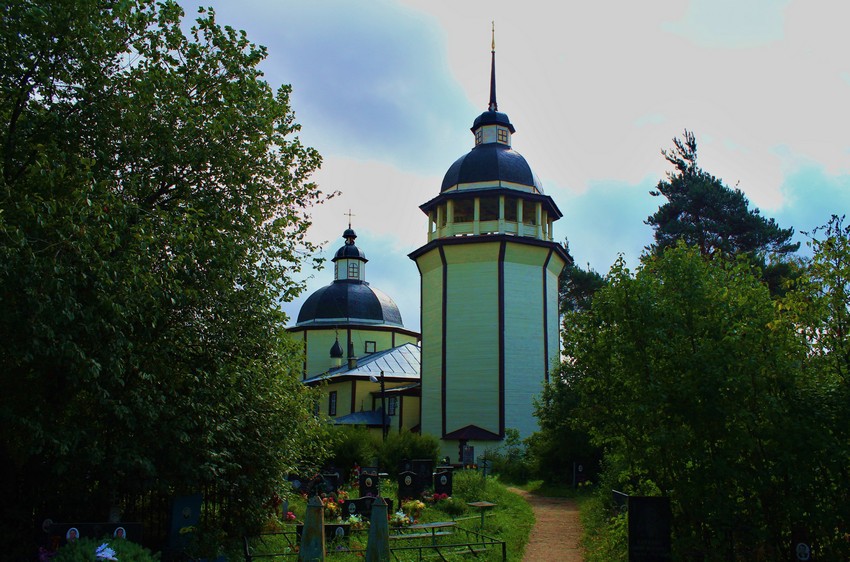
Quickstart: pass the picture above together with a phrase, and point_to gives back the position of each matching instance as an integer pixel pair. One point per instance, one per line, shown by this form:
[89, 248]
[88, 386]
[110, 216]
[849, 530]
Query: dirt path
[557, 530]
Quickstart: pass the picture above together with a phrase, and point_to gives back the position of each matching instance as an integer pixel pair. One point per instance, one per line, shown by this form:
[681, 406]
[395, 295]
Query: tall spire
[493, 105]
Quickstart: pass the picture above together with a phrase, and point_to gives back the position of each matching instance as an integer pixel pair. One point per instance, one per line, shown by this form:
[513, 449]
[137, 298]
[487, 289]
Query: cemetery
[423, 512]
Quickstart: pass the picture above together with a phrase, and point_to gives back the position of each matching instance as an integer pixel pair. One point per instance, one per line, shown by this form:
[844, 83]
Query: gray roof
[399, 363]
[369, 417]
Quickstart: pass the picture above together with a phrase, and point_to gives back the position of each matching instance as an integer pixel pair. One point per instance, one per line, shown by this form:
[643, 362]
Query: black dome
[492, 118]
[349, 302]
[491, 162]
[350, 251]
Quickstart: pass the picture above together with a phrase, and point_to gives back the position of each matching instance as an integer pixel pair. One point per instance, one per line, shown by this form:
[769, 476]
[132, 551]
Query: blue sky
[386, 90]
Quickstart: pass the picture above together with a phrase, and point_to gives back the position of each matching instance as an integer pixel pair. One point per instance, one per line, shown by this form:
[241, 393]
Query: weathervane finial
[493, 30]
[493, 106]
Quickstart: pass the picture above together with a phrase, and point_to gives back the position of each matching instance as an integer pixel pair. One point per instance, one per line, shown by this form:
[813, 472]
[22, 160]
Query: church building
[489, 273]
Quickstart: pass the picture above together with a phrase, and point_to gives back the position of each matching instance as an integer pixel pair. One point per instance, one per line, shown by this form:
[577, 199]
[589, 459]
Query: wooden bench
[432, 530]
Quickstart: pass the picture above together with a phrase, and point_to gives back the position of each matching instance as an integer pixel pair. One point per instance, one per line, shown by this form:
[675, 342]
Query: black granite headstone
[443, 481]
[360, 506]
[650, 521]
[409, 486]
[369, 484]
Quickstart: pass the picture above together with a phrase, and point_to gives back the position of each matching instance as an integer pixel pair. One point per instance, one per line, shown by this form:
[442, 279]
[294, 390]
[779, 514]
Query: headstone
[185, 513]
[801, 546]
[579, 473]
[359, 506]
[378, 547]
[468, 455]
[69, 532]
[313, 534]
[409, 486]
[369, 483]
[650, 522]
[424, 469]
[330, 482]
[443, 480]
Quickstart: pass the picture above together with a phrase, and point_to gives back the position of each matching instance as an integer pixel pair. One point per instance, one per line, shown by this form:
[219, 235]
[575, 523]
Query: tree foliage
[700, 385]
[152, 214]
[703, 212]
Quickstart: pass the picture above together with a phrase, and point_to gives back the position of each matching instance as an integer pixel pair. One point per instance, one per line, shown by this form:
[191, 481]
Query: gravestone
[409, 486]
[468, 455]
[369, 483]
[330, 482]
[424, 469]
[801, 546]
[359, 506]
[579, 473]
[63, 533]
[443, 480]
[185, 514]
[312, 544]
[378, 545]
[650, 521]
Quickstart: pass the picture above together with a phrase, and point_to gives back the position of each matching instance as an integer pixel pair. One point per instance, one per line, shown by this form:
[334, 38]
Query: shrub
[353, 445]
[510, 460]
[406, 445]
[468, 485]
[452, 506]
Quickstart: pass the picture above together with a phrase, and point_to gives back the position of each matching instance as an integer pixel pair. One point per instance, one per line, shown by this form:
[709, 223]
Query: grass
[510, 520]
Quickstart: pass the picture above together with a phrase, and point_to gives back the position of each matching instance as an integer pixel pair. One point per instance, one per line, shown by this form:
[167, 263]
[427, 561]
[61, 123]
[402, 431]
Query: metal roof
[349, 301]
[491, 162]
[398, 363]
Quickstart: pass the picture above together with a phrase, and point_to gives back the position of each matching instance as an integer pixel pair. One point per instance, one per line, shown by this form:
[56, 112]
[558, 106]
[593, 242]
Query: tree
[576, 286]
[703, 212]
[152, 214]
[693, 381]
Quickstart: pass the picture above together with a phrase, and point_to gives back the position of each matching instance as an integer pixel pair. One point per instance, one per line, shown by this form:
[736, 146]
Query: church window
[464, 210]
[503, 136]
[489, 208]
[370, 347]
[392, 405]
[353, 270]
[510, 209]
[479, 136]
[332, 403]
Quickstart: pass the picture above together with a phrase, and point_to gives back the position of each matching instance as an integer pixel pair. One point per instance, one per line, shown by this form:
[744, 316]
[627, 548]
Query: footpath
[557, 529]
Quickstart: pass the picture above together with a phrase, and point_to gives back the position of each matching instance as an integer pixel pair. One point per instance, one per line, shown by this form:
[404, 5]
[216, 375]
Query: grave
[650, 521]
[369, 482]
[410, 486]
[360, 506]
[443, 480]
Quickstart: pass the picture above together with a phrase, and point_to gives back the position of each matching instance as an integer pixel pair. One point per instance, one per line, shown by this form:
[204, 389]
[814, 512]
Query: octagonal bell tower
[489, 281]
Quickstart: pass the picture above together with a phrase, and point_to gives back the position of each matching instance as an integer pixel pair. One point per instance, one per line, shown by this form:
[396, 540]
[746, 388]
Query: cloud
[731, 23]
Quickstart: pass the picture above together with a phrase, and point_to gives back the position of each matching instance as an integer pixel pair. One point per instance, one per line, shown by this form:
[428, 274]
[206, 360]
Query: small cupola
[336, 354]
[349, 261]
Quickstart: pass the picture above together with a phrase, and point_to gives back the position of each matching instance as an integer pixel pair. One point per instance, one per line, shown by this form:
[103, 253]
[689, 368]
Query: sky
[386, 91]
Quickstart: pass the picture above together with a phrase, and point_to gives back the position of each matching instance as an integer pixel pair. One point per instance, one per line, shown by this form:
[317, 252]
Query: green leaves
[702, 386]
[153, 206]
[703, 212]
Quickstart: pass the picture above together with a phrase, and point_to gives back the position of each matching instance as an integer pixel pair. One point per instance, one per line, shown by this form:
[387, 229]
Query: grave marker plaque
[650, 521]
